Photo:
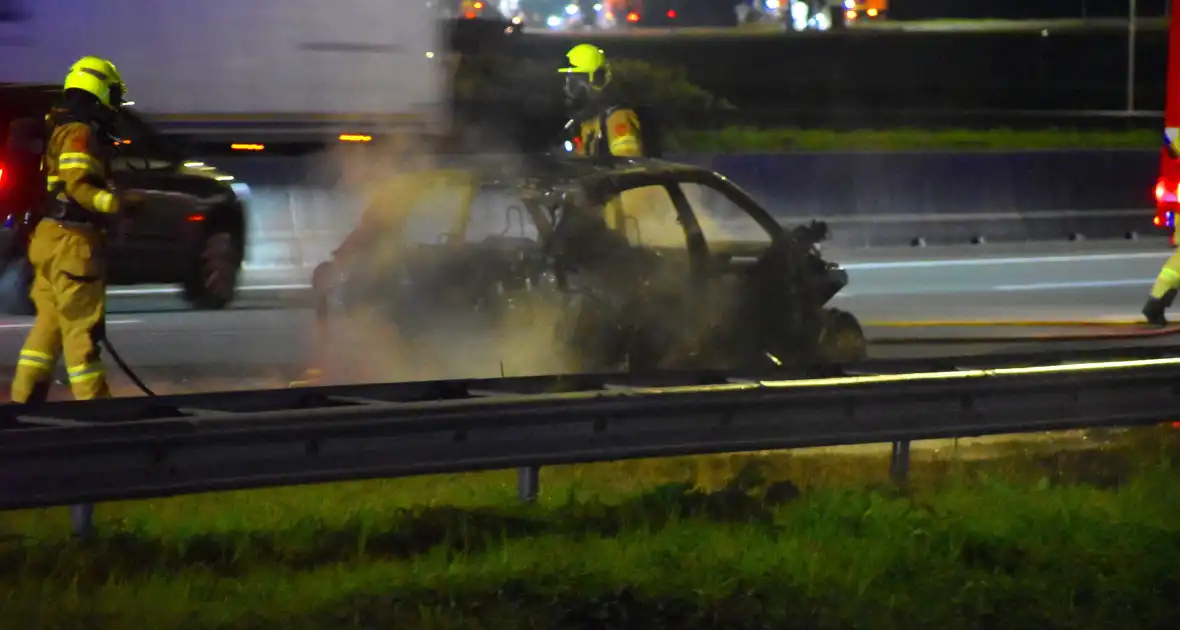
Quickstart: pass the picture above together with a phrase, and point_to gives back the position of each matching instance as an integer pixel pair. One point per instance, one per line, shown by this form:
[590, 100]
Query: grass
[1027, 537]
[755, 140]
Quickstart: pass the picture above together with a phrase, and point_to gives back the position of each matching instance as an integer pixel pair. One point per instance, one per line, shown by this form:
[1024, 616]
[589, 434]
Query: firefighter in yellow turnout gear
[67, 249]
[601, 126]
[597, 124]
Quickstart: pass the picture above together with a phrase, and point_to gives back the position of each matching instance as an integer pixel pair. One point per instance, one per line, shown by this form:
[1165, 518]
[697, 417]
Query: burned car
[625, 264]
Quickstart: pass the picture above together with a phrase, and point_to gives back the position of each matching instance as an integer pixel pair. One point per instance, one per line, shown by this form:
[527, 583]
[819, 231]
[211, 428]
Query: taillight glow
[1, 175]
[632, 17]
[671, 14]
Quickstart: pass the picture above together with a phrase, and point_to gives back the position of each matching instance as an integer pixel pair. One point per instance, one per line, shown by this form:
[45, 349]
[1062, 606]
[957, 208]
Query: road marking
[1003, 288]
[176, 291]
[984, 262]
[1094, 284]
[110, 322]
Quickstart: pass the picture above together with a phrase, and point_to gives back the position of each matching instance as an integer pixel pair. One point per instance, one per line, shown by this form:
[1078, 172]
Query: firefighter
[67, 248]
[600, 125]
[1163, 292]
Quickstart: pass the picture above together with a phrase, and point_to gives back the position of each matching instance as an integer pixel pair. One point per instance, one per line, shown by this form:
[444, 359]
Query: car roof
[611, 174]
[578, 167]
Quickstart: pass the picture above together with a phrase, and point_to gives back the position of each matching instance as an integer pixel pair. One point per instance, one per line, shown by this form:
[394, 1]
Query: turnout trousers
[69, 292]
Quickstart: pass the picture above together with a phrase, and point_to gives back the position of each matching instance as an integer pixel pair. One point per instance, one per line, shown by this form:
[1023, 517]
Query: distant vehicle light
[470, 15]
[553, 21]
[671, 14]
[196, 218]
[598, 7]
[872, 12]
[632, 17]
[246, 147]
[772, 5]
[850, 15]
[849, 4]
[355, 137]
[478, 5]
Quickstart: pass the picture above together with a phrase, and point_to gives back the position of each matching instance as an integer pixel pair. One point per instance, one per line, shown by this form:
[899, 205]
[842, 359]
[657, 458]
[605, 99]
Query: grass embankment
[756, 140]
[1078, 540]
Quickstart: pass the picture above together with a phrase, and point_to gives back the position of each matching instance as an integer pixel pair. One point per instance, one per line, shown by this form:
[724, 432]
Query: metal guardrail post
[82, 519]
[899, 462]
[529, 482]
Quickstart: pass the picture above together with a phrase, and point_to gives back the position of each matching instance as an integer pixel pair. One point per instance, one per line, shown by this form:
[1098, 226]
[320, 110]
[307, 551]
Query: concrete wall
[300, 210]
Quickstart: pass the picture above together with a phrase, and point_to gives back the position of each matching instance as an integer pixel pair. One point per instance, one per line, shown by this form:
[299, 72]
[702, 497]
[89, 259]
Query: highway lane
[265, 339]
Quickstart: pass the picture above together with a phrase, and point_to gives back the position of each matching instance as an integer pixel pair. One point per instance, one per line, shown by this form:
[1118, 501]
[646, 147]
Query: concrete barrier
[300, 210]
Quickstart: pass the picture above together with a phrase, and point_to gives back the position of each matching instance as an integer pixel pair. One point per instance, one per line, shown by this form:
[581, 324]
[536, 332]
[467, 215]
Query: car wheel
[214, 278]
[841, 339]
[15, 281]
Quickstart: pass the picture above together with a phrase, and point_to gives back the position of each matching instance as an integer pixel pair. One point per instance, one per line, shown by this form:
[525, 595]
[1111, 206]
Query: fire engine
[1167, 187]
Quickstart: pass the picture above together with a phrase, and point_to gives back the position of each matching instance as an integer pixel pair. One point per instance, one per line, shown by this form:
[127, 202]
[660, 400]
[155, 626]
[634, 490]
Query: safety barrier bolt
[82, 519]
[529, 482]
[899, 462]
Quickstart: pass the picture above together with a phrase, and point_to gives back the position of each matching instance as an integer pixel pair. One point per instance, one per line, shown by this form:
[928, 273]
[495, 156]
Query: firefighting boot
[1155, 307]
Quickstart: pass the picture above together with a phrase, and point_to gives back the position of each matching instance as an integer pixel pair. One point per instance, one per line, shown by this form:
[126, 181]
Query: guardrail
[85, 452]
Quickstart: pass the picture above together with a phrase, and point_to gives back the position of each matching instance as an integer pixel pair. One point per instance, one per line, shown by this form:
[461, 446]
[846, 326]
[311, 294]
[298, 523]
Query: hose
[106, 343]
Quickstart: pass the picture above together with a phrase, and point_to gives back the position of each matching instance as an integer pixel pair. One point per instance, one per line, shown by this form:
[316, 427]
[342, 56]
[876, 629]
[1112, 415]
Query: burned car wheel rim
[219, 265]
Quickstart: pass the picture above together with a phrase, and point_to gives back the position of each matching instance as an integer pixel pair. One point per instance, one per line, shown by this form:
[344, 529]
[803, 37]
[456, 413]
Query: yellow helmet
[588, 60]
[98, 77]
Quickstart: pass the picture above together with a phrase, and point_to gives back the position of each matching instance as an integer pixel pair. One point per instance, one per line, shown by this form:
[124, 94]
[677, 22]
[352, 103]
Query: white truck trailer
[213, 60]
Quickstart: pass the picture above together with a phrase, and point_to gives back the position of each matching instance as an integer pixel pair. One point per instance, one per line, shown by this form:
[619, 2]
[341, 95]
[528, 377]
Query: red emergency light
[671, 14]
[632, 17]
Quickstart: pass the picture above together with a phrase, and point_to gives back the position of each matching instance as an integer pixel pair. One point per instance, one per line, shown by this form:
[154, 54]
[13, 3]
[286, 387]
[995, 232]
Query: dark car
[699, 276]
[190, 232]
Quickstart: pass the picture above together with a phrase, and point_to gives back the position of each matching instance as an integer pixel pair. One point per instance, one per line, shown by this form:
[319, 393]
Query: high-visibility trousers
[1168, 278]
[69, 292]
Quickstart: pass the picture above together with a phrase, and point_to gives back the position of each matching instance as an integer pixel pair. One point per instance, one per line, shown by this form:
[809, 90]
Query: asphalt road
[265, 339]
